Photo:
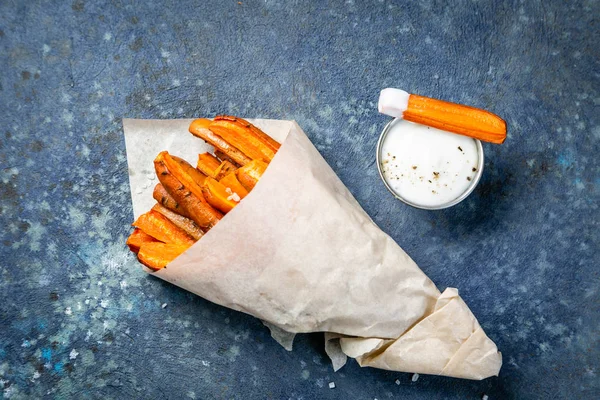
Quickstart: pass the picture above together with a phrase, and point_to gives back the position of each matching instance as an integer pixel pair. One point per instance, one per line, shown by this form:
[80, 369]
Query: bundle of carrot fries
[190, 201]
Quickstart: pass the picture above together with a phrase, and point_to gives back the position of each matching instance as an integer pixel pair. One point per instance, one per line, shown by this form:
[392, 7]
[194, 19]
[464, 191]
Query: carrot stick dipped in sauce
[452, 117]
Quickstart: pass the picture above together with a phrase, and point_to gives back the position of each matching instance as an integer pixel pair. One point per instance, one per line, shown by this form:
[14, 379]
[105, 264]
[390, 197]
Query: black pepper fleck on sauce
[474, 169]
[414, 167]
[468, 178]
[460, 148]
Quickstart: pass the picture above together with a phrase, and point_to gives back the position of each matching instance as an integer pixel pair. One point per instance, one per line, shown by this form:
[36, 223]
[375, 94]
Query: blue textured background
[79, 318]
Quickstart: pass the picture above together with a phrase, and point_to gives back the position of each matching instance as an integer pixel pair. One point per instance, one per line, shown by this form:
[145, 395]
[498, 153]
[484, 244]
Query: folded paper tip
[448, 342]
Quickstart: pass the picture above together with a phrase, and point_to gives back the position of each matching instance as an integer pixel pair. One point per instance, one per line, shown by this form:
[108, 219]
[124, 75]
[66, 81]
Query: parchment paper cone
[301, 254]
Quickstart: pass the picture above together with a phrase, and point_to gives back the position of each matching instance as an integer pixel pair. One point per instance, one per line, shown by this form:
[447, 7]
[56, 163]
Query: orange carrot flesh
[224, 169]
[457, 118]
[158, 255]
[198, 129]
[159, 227]
[183, 223]
[239, 142]
[250, 174]
[201, 123]
[137, 238]
[207, 164]
[244, 137]
[218, 196]
[231, 181]
[196, 208]
[224, 157]
[197, 176]
[259, 134]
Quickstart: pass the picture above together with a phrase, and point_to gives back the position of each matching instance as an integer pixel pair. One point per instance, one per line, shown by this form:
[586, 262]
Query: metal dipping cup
[457, 200]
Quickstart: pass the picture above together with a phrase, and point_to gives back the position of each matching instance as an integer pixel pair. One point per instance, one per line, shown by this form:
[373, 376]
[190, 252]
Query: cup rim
[442, 206]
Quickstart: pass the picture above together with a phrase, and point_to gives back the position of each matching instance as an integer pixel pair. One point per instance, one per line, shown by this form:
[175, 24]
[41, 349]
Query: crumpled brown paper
[301, 254]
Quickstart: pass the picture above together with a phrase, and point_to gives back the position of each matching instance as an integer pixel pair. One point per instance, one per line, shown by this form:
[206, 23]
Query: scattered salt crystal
[331, 385]
[164, 305]
[484, 397]
[152, 177]
[415, 377]
[397, 381]
[235, 197]
[73, 354]
[139, 191]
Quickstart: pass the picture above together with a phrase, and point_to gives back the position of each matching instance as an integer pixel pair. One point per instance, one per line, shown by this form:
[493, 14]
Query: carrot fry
[202, 123]
[259, 134]
[249, 174]
[231, 181]
[183, 223]
[218, 196]
[198, 129]
[225, 168]
[197, 176]
[179, 173]
[157, 255]
[160, 228]
[207, 164]
[252, 148]
[243, 138]
[224, 157]
[163, 197]
[197, 208]
[137, 238]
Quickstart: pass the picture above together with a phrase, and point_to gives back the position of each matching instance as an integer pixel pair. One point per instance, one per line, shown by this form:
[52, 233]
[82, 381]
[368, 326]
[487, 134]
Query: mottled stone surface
[79, 318]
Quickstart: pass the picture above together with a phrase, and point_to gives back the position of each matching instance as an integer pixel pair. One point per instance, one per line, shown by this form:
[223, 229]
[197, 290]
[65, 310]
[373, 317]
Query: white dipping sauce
[427, 166]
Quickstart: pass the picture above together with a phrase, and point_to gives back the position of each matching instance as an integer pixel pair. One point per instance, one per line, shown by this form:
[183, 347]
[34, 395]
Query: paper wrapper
[302, 255]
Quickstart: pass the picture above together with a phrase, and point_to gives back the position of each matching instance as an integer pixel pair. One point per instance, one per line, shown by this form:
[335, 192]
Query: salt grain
[397, 381]
[232, 195]
[164, 305]
[484, 397]
[415, 377]
[331, 385]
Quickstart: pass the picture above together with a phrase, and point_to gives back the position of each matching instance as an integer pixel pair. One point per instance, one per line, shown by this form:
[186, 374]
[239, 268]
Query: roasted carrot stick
[196, 208]
[197, 176]
[207, 163]
[163, 197]
[231, 181]
[137, 238]
[242, 143]
[249, 174]
[266, 139]
[224, 169]
[159, 227]
[224, 157]
[198, 128]
[183, 223]
[180, 174]
[202, 123]
[244, 139]
[218, 196]
[157, 255]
